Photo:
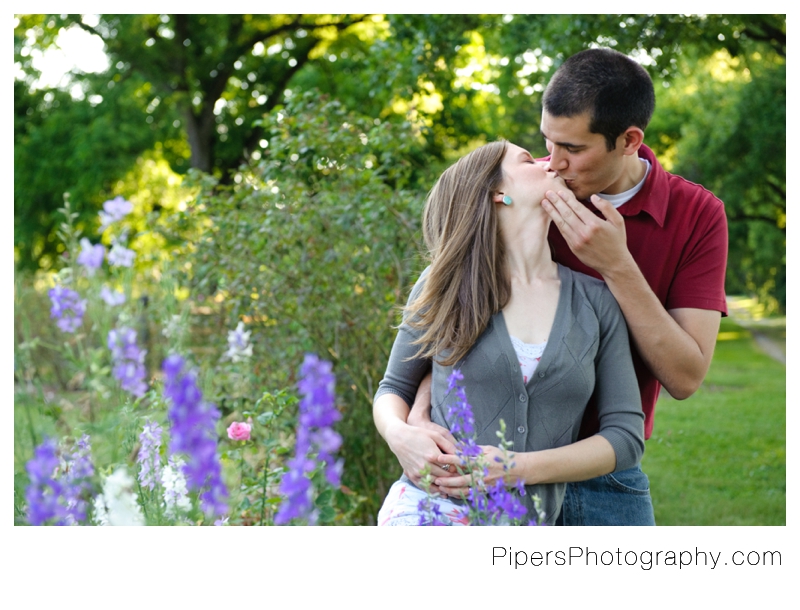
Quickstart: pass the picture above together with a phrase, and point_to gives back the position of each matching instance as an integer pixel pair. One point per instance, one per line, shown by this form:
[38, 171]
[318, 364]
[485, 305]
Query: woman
[532, 339]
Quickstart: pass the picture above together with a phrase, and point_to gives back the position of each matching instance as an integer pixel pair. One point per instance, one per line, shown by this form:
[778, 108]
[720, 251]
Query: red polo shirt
[678, 235]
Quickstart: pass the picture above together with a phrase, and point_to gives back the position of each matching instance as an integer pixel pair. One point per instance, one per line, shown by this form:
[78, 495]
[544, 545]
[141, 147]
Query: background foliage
[194, 88]
[278, 165]
[333, 250]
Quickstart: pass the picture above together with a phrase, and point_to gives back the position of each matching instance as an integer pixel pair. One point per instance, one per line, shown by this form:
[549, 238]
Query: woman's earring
[506, 200]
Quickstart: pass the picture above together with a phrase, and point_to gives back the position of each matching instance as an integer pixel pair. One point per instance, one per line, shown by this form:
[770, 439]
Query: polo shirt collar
[653, 196]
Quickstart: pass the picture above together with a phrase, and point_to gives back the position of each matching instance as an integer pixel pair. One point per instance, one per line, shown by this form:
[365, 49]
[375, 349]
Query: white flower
[176, 495]
[239, 348]
[100, 510]
[172, 328]
[117, 505]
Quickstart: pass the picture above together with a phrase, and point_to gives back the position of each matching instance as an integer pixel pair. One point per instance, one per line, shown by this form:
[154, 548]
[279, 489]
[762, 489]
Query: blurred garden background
[256, 183]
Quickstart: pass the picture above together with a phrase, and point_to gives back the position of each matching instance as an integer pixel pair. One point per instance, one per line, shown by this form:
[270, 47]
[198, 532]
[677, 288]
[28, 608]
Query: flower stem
[241, 466]
[264, 492]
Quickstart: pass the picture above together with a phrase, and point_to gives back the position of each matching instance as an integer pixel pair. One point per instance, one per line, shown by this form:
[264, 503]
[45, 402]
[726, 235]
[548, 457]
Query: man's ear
[632, 139]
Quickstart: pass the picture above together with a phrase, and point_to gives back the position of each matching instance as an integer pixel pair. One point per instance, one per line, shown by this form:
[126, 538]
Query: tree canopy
[195, 88]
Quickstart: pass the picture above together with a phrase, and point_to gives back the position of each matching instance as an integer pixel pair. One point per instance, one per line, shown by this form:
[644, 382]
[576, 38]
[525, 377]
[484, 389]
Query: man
[660, 243]
[657, 240]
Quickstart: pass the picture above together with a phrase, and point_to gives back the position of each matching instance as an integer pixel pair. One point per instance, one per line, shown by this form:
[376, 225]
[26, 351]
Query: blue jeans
[621, 498]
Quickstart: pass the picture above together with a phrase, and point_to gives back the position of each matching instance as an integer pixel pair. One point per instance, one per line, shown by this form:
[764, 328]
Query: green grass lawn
[719, 457]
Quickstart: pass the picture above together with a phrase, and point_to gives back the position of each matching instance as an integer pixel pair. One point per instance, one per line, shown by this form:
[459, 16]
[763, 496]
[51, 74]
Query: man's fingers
[561, 203]
[561, 218]
[580, 211]
[608, 211]
[570, 212]
[446, 445]
[445, 437]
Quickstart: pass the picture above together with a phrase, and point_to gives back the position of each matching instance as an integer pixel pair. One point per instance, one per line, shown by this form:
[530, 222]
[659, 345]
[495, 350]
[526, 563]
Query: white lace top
[529, 355]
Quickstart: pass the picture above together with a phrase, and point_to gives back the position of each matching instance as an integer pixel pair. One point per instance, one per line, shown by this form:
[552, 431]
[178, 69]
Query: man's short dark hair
[615, 90]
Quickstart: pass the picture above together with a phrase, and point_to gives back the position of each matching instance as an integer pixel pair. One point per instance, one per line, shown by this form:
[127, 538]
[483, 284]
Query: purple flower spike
[91, 257]
[77, 472]
[67, 308]
[430, 514]
[59, 488]
[114, 210]
[44, 489]
[316, 441]
[462, 421]
[296, 486]
[502, 503]
[128, 360]
[496, 505]
[193, 433]
[149, 458]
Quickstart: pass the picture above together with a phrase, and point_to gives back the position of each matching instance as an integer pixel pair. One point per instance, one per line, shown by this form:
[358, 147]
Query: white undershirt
[528, 355]
[620, 198]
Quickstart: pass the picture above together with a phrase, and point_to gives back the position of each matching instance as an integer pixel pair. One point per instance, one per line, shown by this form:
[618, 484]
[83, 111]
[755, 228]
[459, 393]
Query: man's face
[580, 157]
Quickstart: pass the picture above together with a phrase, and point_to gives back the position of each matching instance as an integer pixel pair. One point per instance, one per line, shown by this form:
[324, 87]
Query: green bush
[315, 246]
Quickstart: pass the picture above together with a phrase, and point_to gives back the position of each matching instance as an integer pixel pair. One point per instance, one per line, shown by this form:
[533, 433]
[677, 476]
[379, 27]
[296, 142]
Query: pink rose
[239, 431]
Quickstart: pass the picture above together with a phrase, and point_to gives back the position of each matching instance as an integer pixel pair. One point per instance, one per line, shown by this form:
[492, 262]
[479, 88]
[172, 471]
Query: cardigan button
[521, 429]
[541, 374]
[523, 397]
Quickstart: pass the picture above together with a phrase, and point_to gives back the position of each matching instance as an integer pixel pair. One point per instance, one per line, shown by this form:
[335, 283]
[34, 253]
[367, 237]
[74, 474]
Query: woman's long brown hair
[467, 282]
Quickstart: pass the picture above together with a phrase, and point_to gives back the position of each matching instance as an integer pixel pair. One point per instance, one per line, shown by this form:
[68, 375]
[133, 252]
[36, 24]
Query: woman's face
[526, 180]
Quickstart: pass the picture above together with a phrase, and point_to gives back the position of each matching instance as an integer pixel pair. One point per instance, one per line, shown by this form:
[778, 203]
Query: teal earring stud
[506, 200]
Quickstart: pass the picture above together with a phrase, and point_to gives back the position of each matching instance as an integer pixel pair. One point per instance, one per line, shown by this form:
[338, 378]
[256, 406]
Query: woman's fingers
[443, 470]
[449, 464]
[445, 440]
[455, 480]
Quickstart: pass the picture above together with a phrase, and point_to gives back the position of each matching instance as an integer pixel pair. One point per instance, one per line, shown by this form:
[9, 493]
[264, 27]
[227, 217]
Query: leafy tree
[490, 70]
[728, 133]
[219, 73]
[201, 83]
[210, 77]
[65, 145]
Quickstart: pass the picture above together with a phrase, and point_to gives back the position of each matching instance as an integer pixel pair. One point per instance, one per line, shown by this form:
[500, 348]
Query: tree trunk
[199, 132]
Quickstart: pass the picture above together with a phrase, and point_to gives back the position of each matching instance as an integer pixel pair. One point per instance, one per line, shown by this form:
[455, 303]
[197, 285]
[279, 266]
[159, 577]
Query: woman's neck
[528, 253]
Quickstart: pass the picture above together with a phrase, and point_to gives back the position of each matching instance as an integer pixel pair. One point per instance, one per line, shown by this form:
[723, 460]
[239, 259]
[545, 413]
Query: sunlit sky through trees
[76, 49]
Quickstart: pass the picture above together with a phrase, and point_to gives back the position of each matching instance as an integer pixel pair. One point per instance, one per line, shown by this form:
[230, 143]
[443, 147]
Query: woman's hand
[458, 486]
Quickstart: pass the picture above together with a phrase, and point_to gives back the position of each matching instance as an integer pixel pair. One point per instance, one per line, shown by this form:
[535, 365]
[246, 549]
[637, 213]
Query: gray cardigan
[587, 352]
